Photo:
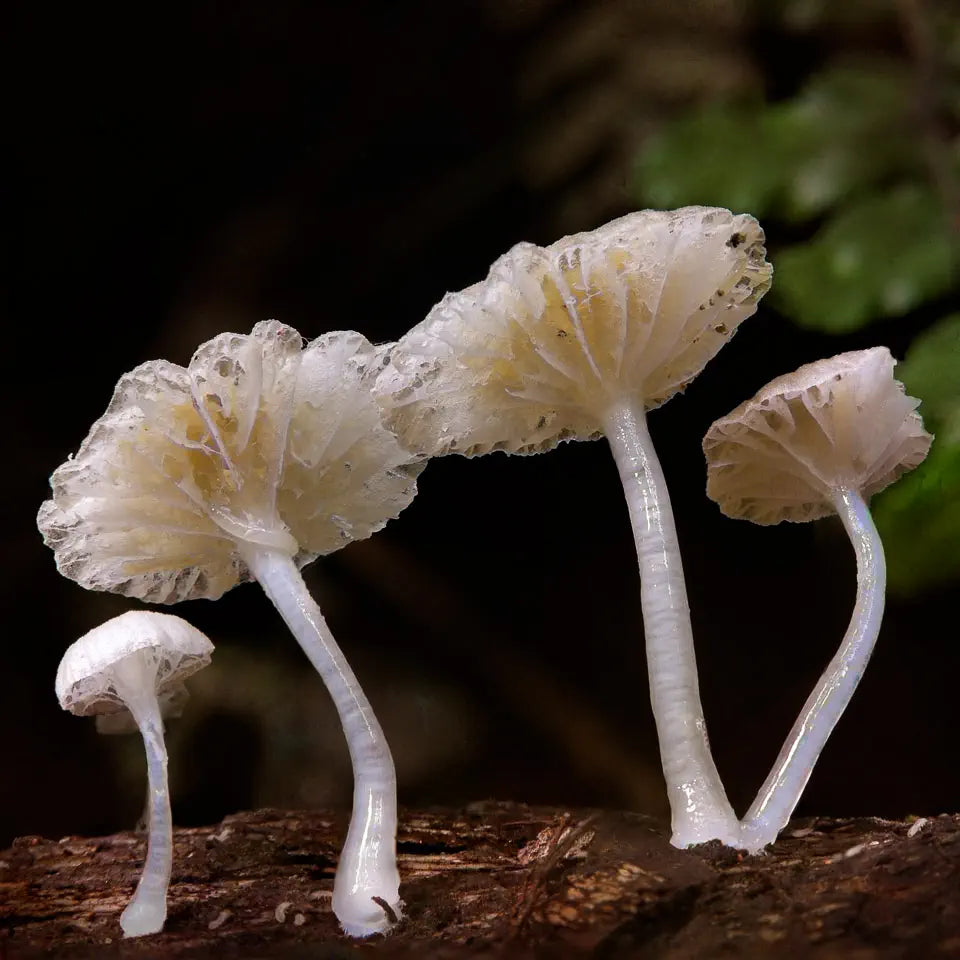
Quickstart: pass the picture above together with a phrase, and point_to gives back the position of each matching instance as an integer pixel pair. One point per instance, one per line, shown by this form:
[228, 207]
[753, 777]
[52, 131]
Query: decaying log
[501, 880]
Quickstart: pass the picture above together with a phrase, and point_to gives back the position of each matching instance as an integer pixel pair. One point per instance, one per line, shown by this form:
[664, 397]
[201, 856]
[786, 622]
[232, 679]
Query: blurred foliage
[795, 159]
[857, 178]
[921, 513]
[925, 374]
[881, 255]
[919, 519]
[839, 157]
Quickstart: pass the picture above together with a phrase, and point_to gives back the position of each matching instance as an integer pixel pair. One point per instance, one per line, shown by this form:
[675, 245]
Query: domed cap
[539, 351]
[839, 422]
[168, 645]
[257, 441]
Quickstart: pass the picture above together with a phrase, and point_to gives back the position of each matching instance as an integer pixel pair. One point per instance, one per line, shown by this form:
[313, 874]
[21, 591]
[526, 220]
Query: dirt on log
[501, 880]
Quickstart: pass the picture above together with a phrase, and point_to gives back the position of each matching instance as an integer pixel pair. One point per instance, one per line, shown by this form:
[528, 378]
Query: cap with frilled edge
[258, 440]
[840, 422]
[85, 683]
[540, 350]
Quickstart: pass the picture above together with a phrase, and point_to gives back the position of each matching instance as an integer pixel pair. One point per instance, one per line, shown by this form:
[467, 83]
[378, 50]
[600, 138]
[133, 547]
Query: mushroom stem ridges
[699, 807]
[368, 864]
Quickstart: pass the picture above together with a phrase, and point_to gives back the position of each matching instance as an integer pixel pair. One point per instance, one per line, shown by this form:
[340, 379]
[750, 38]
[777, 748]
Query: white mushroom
[250, 463]
[128, 664]
[576, 341]
[819, 441]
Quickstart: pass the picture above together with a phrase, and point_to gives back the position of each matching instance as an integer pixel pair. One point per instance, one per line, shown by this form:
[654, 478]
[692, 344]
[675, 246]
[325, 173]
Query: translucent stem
[147, 911]
[368, 861]
[699, 807]
[781, 791]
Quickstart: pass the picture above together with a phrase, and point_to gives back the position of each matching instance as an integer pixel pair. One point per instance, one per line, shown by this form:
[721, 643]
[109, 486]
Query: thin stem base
[781, 791]
[135, 682]
[367, 870]
[699, 807]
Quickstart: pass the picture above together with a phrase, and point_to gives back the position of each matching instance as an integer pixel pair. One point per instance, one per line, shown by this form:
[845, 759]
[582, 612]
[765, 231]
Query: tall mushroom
[254, 460]
[819, 441]
[127, 667]
[576, 341]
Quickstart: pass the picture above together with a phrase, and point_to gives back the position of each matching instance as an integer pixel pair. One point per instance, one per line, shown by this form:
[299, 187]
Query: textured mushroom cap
[540, 350]
[85, 677]
[257, 441]
[840, 422]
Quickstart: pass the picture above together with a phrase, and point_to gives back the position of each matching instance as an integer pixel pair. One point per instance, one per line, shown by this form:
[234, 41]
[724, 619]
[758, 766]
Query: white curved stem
[147, 911]
[699, 807]
[781, 791]
[368, 861]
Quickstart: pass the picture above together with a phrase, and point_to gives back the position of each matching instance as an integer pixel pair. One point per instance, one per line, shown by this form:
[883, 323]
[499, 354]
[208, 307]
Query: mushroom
[127, 666]
[576, 341]
[250, 463]
[821, 440]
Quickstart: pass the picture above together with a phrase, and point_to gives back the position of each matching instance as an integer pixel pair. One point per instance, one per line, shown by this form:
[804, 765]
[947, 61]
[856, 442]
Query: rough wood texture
[501, 880]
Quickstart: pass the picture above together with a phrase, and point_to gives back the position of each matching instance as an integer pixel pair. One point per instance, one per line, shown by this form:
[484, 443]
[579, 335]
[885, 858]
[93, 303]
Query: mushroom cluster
[264, 453]
[251, 462]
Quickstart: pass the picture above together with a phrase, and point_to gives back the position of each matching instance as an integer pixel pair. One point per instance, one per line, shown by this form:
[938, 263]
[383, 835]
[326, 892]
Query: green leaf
[881, 256]
[719, 156]
[919, 517]
[919, 522]
[845, 132]
[854, 129]
[931, 371]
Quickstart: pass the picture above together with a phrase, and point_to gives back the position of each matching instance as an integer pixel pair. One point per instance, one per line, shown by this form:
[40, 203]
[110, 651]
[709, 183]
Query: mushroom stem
[147, 911]
[778, 796]
[367, 871]
[699, 807]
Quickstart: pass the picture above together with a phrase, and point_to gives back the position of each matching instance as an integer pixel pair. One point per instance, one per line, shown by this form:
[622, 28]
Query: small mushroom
[250, 463]
[819, 441]
[127, 666]
[576, 341]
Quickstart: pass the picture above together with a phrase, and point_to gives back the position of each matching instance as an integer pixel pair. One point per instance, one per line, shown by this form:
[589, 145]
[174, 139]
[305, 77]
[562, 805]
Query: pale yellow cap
[539, 351]
[257, 441]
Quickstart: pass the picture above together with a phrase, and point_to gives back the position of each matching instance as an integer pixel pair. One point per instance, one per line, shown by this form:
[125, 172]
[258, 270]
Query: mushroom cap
[85, 678]
[258, 440]
[540, 350]
[839, 422]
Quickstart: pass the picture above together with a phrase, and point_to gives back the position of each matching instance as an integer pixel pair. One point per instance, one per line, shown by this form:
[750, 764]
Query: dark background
[179, 171]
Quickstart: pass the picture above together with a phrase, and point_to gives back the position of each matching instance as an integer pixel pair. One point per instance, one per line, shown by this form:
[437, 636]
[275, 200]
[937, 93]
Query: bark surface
[501, 880]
